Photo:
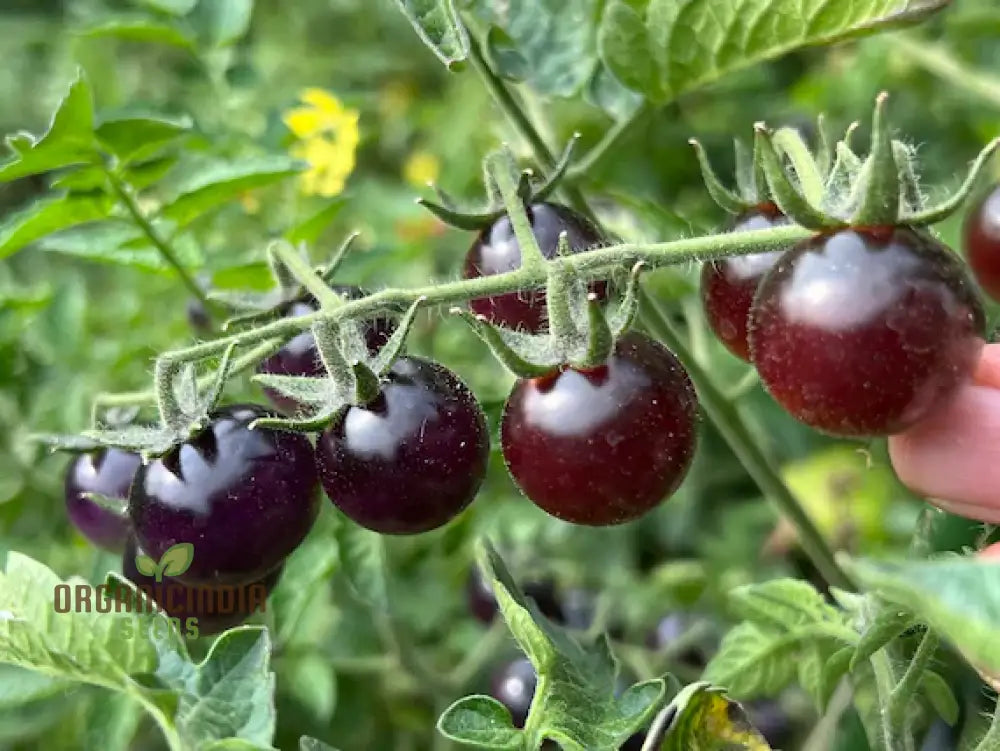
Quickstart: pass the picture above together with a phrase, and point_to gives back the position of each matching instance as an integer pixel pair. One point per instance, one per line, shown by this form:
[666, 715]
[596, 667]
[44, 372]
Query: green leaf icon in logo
[145, 565]
[177, 559]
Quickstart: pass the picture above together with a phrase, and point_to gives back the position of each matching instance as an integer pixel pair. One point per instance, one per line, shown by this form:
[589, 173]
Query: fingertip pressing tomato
[413, 458]
[244, 498]
[108, 472]
[861, 333]
[496, 251]
[982, 242]
[605, 445]
[728, 285]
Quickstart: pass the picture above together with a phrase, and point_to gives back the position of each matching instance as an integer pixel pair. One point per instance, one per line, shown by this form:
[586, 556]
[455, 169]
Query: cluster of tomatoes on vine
[861, 330]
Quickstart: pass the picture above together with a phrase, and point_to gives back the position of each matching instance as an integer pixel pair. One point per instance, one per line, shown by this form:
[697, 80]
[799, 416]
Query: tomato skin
[496, 251]
[412, 459]
[243, 498]
[982, 242]
[858, 333]
[108, 472]
[728, 285]
[604, 446]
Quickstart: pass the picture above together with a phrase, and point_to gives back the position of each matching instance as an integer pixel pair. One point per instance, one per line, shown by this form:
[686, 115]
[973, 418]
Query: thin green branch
[909, 684]
[124, 193]
[307, 277]
[727, 421]
[939, 61]
[885, 682]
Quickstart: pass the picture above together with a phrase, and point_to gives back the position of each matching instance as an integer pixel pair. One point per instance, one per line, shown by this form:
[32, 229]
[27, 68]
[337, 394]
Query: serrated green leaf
[753, 662]
[665, 48]
[119, 242]
[135, 139]
[142, 29]
[439, 27]
[145, 565]
[576, 684]
[213, 184]
[69, 139]
[177, 559]
[504, 57]
[834, 669]
[784, 603]
[703, 719]
[607, 92]
[220, 23]
[143, 174]
[82, 179]
[555, 39]
[960, 598]
[362, 559]
[103, 649]
[50, 215]
[480, 722]
[231, 693]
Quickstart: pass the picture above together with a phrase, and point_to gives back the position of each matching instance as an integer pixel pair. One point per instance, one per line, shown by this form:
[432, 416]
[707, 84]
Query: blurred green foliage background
[72, 326]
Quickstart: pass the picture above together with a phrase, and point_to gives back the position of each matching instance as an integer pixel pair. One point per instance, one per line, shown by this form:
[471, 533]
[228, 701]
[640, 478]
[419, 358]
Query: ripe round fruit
[413, 458]
[244, 498]
[514, 686]
[982, 242]
[862, 334]
[496, 251]
[728, 284]
[299, 356]
[606, 445]
[217, 608]
[108, 472]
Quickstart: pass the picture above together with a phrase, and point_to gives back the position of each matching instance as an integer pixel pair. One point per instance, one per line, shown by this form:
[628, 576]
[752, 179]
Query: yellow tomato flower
[421, 167]
[328, 138]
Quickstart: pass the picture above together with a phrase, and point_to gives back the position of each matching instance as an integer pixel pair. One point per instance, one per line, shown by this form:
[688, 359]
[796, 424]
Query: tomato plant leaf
[310, 567]
[665, 48]
[212, 184]
[220, 23]
[310, 229]
[135, 138]
[940, 696]
[119, 242]
[504, 57]
[69, 139]
[701, 717]
[887, 625]
[142, 29]
[784, 603]
[439, 27]
[481, 722]
[231, 693]
[959, 597]
[177, 559]
[362, 557]
[576, 682]
[555, 41]
[48, 215]
[753, 662]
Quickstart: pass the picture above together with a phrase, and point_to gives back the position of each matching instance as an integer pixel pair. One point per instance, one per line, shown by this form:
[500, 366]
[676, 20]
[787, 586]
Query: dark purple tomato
[484, 607]
[606, 445]
[216, 608]
[496, 251]
[413, 458]
[728, 284]
[863, 334]
[982, 242]
[108, 472]
[244, 498]
[513, 686]
[299, 356]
